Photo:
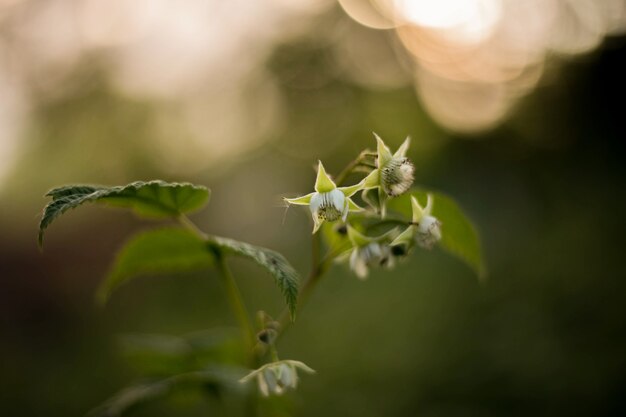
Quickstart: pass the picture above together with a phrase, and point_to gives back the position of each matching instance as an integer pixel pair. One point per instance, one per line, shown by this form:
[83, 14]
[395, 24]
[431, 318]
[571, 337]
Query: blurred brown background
[515, 108]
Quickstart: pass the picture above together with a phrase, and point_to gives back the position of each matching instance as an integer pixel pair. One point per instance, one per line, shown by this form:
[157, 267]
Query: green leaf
[150, 199]
[72, 190]
[284, 274]
[459, 236]
[214, 378]
[168, 250]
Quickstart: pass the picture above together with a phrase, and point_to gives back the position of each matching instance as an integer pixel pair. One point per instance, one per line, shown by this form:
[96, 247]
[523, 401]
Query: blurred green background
[248, 112]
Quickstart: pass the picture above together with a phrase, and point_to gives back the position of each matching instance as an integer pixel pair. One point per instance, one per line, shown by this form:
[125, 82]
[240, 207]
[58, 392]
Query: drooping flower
[368, 252]
[425, 229]
[328, 202]
[394, 173]
[277, 377]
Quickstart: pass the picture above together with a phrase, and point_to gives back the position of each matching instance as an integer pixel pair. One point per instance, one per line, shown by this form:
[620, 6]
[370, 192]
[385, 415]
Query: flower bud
[394, 174]
[397, 176]
[425, 229]
[428, 232]
[369, 252]
[276, 377]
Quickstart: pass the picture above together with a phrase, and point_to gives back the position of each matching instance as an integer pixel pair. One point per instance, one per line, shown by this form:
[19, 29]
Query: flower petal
[305, 200]
[418, 211]
[384, 154]
[270, 378]
[251, 375]
[263, 385]
[299, 365]
[374, 250]
[315, 202]
[360, 267]
[352, 189]
[287, 375]
[323, 183]
[294, 382]
[372, 180]
[406, 237]
[429, 205]
[401, 152]
[354, 255]
[357, 238]
[337, 199]
[317, 223]
[352, 206]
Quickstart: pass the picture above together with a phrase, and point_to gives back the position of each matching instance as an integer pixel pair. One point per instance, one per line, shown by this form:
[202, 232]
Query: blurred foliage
[159, 251]
[460, 237]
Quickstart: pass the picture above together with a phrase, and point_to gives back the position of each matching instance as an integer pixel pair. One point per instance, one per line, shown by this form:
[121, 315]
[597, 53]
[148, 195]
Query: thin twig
[360, 160]
[232, 290]
[236, 300]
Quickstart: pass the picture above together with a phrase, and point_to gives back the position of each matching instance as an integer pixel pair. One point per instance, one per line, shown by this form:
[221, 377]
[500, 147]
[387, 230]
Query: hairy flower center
[328, 206]
[397, 176]
[329, 213]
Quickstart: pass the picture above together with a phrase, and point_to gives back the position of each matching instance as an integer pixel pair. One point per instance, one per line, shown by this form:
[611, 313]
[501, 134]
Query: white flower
[368, 252]
[277, 377]
[394, 174]
[329, 206]
[428, 231]
[425, 229]
[328, 202]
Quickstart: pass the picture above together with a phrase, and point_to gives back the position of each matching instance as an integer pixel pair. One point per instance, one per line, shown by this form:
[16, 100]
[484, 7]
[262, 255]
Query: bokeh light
[486, 54]
[199, 65]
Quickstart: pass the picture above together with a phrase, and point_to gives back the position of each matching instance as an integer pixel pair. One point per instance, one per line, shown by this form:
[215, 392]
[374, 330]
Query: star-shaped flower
[367, 251]
[394, 173]
[277, 377]
[328, 202]
[425, 229]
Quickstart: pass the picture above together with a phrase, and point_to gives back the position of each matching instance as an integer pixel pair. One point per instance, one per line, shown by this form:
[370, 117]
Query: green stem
[191, 226]
[236, 300]
[360, 160]
[232, 290]
[274, 353]
[389, 222]
[318, 269]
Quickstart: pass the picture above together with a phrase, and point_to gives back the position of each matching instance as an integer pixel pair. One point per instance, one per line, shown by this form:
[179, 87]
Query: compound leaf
[149, 199]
